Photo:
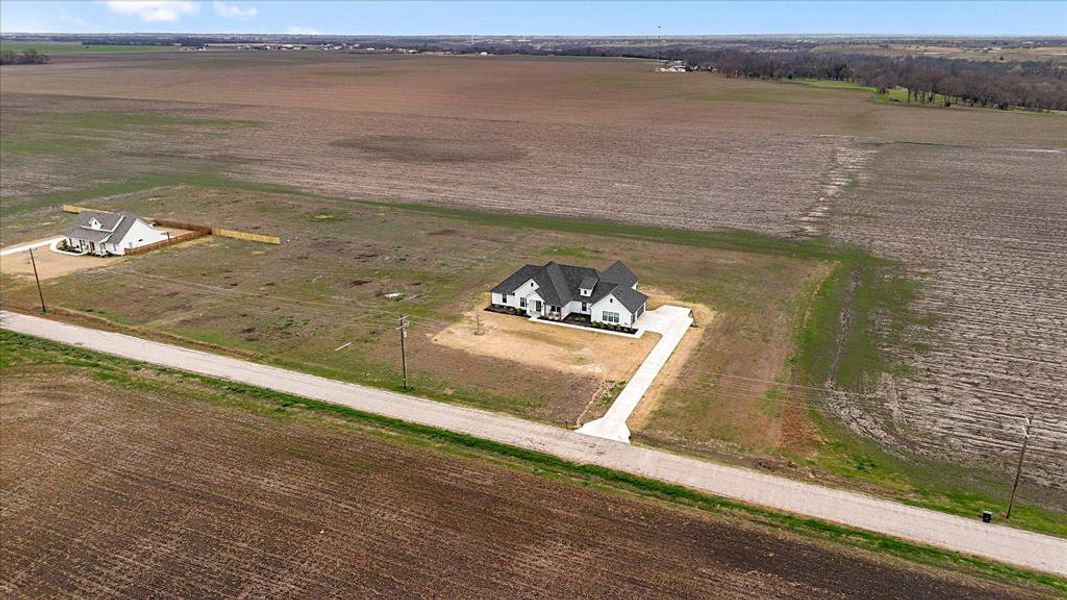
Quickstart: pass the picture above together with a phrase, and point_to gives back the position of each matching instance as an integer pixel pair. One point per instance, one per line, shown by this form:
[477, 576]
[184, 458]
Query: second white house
[104, 233]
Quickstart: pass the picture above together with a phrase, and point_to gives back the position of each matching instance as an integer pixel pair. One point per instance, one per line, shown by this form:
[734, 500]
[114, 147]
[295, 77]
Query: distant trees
[1035, 85]
[26, 57]
[925, 79]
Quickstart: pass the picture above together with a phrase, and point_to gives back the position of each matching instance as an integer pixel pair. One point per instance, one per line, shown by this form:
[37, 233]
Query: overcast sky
[537, 18]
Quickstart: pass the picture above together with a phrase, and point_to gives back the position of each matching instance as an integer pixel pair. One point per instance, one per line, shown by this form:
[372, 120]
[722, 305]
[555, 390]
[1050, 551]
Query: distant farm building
[673, 66]
[107, 233]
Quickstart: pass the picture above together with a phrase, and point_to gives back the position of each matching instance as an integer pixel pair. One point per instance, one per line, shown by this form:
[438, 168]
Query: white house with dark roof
[554, 291]
[104, 233]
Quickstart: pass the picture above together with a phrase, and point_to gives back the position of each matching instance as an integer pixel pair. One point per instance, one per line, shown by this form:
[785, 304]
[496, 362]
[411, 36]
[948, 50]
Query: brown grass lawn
[325, 287]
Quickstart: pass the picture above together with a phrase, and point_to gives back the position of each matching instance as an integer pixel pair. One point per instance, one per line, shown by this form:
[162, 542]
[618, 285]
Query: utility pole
[1019, 468]
[478, 324]
[403, 329]
[40, 294]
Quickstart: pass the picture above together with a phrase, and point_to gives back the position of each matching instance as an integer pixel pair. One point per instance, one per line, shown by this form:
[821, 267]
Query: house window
[585, 307]
[507, 298]
[611, 317]
[522, 302]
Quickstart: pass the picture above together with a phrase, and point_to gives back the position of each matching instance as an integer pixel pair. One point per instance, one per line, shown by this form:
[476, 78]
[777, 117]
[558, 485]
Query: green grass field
[894, 95]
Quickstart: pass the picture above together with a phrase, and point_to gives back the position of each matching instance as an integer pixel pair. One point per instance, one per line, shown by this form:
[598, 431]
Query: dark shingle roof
[601, 289]
[524, 274]
[558, 284]
[629, 297]
[620, 274]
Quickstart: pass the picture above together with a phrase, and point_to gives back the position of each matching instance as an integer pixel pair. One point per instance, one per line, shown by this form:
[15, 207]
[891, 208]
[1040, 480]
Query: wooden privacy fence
[174, 240]
[202, 229]
[244, 235]
[220, 232]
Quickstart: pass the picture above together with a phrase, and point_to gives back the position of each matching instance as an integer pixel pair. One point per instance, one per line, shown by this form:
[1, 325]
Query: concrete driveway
[27, 246]
[671, 322]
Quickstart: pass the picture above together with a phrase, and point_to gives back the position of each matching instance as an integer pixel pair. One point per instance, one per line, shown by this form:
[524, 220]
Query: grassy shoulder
[862, 309]
[22, 352]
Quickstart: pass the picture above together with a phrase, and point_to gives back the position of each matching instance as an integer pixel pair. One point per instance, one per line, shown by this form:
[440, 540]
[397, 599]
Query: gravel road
[1004, 544]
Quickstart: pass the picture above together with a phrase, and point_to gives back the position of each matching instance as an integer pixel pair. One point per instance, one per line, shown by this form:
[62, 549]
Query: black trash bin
[987, 516]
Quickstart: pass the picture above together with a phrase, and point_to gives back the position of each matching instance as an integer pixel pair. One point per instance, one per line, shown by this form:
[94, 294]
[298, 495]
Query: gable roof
[620, 274]
[629, 297]
[113, 226]
[512, 283]
[558, 284]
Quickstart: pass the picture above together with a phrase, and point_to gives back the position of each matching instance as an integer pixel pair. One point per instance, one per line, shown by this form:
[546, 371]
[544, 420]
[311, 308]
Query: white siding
[610, 304]
[527, 291]
[140, 234]
[531, 297]
[574, 306]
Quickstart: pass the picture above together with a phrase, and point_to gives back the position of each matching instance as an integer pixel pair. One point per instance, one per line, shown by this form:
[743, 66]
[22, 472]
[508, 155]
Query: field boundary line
[1003, 544]
[244, 235]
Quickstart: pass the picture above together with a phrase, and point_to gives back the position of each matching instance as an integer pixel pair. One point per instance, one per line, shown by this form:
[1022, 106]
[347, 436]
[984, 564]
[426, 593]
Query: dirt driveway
[610, 357]
[51, 264]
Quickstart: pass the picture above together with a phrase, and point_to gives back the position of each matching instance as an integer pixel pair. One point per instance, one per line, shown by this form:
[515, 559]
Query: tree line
[1033, 85]
[26, 57]
[926, 79]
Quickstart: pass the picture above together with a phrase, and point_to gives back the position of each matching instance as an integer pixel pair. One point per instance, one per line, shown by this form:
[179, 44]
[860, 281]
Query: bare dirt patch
[419, 149]
[52, 264]
[515, 338]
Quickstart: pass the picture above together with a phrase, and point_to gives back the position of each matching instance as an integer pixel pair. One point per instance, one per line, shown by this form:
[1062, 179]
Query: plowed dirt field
[133, 492]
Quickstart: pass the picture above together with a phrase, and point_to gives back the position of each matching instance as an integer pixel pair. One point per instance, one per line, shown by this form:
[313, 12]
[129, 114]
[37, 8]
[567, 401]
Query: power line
[40, 293]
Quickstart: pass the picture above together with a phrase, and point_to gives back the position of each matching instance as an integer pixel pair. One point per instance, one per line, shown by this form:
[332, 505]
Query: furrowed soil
[146, 491]
[985, 232]
[970, 201]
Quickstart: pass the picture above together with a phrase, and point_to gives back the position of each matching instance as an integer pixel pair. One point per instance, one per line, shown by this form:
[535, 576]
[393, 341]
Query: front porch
[552, 313]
